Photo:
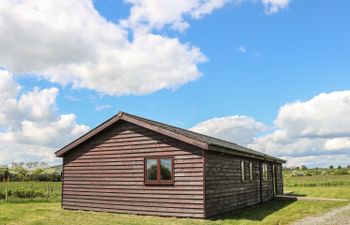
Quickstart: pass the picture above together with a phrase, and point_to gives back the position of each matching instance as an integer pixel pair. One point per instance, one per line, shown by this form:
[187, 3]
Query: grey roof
[203, 141]
[207, 139]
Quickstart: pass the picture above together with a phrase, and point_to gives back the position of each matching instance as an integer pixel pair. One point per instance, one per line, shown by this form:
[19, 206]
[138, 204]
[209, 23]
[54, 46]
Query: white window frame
[265, 174]
[242, 171]
[251, 171]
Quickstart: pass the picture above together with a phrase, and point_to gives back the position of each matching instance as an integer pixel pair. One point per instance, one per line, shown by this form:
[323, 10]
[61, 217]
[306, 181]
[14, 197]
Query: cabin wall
[268, 185]
[107, 174]
[279, 177]
[225, 190]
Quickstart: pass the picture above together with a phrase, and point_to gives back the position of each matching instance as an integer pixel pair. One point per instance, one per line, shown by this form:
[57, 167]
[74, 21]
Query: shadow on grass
[255, 213]
[294, 194]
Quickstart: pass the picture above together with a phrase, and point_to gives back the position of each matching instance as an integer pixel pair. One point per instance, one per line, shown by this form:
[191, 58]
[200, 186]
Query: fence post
[6, 195]
[47, 192]
[50, 190]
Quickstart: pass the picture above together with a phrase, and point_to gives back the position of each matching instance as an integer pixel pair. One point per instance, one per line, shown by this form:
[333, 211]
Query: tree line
[31, 171]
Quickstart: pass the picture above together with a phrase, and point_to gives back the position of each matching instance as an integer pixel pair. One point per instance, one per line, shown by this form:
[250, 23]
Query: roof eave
[131, 119]
[218, 148]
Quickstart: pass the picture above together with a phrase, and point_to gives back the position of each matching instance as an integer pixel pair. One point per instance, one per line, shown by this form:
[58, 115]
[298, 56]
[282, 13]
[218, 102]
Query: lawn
[330, 186]
[273, 212]
[38, 211]
[342, 192]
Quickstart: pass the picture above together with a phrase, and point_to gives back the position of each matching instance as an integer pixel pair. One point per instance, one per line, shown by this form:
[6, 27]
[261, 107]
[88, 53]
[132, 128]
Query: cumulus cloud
[30, 127]
[315, 132]
[69, 42]
[318, 127]
[238, 129]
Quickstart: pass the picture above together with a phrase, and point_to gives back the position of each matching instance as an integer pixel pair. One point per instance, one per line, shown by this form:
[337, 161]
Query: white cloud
[70, 43]
[102, 107]
[242, 49]
[238, 129]
[322, 116]
[31, 128]
[315, 132]
[156, 14]
[318, 127]
[274, 6]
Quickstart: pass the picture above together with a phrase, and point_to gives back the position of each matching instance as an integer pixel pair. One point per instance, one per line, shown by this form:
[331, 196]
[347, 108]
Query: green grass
[342, 192]
[312, 181]
[273, 212]
[330, 186]
[34, 185]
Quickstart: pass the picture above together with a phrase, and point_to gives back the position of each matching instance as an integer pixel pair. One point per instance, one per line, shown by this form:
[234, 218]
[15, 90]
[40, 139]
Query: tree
[331, 167]
[339, 167]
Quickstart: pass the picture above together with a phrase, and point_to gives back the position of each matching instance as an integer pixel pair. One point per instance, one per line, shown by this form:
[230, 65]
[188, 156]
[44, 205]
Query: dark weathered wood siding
[279, 174]
[225, 190]
[106, 174]
[268, 185]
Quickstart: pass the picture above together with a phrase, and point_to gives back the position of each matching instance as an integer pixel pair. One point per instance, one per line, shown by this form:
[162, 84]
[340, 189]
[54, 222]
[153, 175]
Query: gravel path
[339, 216]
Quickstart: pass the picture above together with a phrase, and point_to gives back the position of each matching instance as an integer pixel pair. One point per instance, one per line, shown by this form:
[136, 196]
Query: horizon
[270, 75]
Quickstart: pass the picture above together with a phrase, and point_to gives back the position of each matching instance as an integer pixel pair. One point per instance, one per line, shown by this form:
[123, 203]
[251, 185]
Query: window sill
[159, 184]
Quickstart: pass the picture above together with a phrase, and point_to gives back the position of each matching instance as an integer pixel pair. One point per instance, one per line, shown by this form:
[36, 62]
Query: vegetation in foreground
[30, 191]
[273, 212]
[32, 207]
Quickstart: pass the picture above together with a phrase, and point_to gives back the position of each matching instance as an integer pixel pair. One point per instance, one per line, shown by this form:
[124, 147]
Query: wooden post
[49, 193]
[6, 194]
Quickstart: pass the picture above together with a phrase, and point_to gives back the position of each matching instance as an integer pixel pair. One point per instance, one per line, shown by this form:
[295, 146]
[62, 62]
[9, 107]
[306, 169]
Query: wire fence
[14, 192]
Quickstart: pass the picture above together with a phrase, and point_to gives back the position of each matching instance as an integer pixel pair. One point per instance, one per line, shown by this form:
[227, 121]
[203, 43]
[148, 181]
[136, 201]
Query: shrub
[296, 173]
[26, 193]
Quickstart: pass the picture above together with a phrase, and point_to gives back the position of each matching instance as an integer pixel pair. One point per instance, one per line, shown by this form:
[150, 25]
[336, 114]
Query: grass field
[323, 192]
[330, 186]
[38, 211]
[273, 212]
[312, 181]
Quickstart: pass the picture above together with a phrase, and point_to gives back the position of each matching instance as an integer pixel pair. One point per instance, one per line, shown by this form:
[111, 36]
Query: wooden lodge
[134, 165]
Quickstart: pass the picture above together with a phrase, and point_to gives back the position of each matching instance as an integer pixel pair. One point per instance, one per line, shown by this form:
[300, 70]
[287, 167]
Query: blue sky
[262, 68]
[303, 50]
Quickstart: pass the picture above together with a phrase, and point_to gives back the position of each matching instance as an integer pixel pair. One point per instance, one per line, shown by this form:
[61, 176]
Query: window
[159, 170]
[242, 171]
[251, 171]
[264, 171]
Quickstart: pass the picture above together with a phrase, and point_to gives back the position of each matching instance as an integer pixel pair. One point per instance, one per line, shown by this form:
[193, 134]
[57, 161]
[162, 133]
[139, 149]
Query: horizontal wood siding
[225, 190]
[279, 175]
[107, 174]
[268, 184]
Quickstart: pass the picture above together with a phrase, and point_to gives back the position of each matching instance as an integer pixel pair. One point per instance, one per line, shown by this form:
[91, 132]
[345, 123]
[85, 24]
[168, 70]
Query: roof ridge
[186, 131]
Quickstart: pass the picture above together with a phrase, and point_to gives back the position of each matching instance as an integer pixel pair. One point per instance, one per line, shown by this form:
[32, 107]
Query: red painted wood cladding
[107, 174]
